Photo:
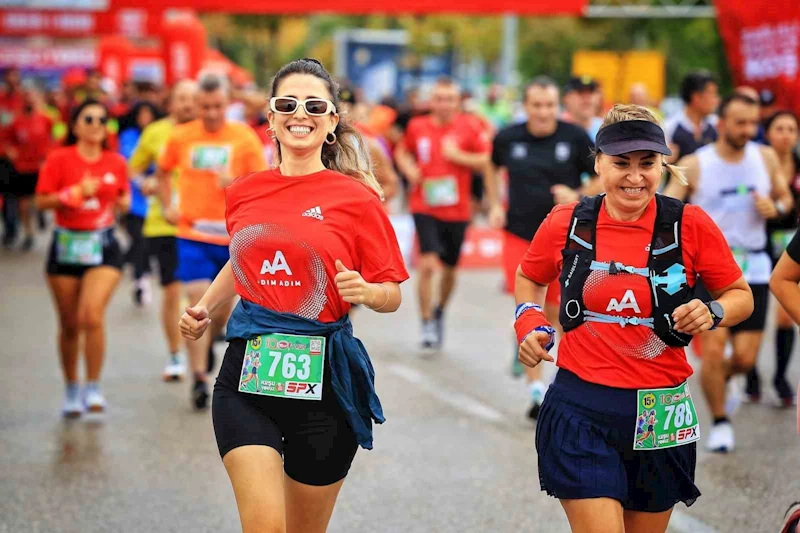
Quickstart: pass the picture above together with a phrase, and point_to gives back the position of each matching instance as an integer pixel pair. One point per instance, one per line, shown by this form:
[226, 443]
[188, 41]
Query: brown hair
[350, 153]
[625, 112]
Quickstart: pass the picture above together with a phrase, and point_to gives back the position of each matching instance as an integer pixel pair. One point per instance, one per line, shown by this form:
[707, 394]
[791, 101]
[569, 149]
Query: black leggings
[136, 254]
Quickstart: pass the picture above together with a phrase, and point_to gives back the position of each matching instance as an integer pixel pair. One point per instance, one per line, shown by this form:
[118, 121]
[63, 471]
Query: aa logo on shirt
[519, 151]
[628, 302]
[562, 151]
[278, 264]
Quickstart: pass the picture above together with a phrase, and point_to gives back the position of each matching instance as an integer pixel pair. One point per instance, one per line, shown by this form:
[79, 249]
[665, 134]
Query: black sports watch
[717, 312]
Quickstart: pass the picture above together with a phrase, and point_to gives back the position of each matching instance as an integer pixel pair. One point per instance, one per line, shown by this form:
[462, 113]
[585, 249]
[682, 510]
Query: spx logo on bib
[628, 302]
[278, 264]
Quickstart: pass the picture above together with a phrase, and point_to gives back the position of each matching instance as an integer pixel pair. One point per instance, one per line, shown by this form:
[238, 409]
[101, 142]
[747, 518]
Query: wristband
[71, 196]
[521, 308]
[546, 329]
[528, 322]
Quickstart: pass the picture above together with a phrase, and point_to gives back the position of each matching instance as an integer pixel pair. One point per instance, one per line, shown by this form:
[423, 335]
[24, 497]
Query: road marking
[681, 522]
[454, 399]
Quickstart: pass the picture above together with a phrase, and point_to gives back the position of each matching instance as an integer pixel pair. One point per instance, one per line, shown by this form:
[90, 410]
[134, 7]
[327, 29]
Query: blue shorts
[584, 437]
[199, 261]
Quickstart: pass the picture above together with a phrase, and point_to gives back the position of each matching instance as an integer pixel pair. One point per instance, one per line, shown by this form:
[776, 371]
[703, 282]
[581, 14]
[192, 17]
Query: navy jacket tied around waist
[352, 375]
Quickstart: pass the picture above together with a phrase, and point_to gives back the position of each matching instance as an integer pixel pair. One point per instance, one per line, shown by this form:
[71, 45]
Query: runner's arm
[491, 186]
[47, 201]
[784, 285]
[780, 192]
[737, 301]
[474, 160]
[406, 163]
[164, 188]
[221, 291]
[527, 290]
[691, 168]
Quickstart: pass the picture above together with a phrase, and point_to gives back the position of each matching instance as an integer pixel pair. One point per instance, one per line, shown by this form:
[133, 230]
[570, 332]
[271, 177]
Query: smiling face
[629, 180]
[91, 124]
[300, 132]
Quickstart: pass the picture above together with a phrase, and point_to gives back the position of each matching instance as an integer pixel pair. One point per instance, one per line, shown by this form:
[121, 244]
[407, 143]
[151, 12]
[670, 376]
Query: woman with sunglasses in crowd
[86, 185]
[308, 240]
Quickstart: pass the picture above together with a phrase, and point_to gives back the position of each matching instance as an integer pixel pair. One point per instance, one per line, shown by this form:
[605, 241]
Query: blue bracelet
[546, 329]
[521, 308]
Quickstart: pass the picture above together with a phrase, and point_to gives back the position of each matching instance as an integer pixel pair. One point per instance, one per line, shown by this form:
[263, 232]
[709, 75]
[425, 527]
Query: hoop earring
[270, 133]
[327, 138]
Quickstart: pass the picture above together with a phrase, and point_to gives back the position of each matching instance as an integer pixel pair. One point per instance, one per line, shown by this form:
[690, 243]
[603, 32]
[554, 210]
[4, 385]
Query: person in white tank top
[737, 182]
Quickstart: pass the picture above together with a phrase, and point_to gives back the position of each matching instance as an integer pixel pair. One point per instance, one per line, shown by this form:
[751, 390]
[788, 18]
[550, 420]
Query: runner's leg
[309, 508]
[171, 314]
[745, 351]
[256, 473]
[446, 285]
[638, 522]
[784, 345]
[65, 290]
[714, 374]
[594, 515]
[428, 264]
[96, 290]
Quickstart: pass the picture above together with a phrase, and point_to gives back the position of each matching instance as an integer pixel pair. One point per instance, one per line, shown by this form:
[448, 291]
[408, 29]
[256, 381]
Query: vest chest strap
[591, 316]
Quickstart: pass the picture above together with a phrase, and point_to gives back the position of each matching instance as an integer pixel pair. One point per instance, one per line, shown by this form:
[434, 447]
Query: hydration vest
[665, 270]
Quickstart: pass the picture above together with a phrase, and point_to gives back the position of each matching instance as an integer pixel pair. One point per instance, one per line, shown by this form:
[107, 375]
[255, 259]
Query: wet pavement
[456, 454]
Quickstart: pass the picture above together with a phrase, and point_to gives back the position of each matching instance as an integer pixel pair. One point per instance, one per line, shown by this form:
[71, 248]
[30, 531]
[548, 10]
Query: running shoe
[27, 244]
[791, 519]
[73, 406]
[94, 400]
[175, 368]
[200, 395]
[429, 335]
[8, 241]
[438, 319]
[785, 392]
[538, 391]
[212, 358]
[753, 387]
[720, 438]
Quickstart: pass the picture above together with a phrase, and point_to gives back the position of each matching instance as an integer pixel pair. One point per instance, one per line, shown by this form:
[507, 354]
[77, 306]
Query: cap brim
[635, 145]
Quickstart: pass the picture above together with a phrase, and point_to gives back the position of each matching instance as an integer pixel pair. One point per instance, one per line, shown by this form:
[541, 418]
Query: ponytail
[676, 172]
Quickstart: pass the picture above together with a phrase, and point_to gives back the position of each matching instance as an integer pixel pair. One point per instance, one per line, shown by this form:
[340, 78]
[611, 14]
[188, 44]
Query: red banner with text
[762, 40]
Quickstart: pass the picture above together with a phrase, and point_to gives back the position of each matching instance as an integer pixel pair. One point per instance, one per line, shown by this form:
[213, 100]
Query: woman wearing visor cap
[616, 433]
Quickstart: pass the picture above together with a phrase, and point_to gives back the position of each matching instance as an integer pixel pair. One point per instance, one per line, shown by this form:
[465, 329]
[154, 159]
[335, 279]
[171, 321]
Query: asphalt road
[456, 454]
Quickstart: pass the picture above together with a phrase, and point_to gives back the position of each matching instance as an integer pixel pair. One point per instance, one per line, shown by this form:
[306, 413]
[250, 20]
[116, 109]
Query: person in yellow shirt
[160, 236]
[207, 154]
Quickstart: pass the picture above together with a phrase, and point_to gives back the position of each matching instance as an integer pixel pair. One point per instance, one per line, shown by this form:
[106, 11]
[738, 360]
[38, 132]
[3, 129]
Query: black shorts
[755, 322]
[165, 251]
[112, 256]
[314, 437]
[23, 184]
[440, 237]
[584, 438]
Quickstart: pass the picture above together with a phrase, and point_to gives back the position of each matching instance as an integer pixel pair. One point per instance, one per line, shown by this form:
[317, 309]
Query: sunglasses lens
[285, 105]
[316, 107]
[89, 120]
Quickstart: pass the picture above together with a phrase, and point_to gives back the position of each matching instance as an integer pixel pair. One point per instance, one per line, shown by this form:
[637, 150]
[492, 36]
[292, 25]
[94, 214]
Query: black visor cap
[632, 136]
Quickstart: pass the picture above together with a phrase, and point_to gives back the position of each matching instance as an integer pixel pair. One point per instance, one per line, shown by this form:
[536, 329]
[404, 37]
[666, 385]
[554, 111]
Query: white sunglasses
[287, 105]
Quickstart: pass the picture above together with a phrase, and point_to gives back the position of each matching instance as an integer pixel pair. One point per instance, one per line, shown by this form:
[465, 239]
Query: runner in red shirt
[29, 141]
[294, 380]
[85, 184]
[438, 156]
[627, 262]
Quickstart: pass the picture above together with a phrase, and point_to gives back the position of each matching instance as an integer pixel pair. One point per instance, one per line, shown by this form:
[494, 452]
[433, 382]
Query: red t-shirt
[424, 137]
[30, 135]
[65, 167]
[632, 357]
[287, 232]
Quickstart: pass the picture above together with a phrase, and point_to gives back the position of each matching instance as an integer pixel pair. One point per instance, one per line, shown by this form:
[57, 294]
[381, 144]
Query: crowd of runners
[625, 240]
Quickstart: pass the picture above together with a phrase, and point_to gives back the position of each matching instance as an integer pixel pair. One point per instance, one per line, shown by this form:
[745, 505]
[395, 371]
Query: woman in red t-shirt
[85, 185]
[616, 433]
[308, 240]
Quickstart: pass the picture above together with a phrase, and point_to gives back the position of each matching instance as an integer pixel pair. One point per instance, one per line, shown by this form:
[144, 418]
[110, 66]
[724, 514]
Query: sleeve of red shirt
[713, 259]
[49, 176]
[542, 261]
[379, 256]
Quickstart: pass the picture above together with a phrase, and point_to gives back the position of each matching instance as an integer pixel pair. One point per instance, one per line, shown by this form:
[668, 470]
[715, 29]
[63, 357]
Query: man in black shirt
[694, 126]
[548, 162]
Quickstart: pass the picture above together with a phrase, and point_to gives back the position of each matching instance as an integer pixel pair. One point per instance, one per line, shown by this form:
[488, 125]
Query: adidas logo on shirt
[314, 212]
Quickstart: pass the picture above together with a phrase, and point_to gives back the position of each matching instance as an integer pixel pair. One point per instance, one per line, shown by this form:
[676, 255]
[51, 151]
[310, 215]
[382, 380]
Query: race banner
[762, 41]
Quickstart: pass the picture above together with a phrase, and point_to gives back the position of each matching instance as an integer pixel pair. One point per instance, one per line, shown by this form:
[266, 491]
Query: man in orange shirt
[207, 154]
